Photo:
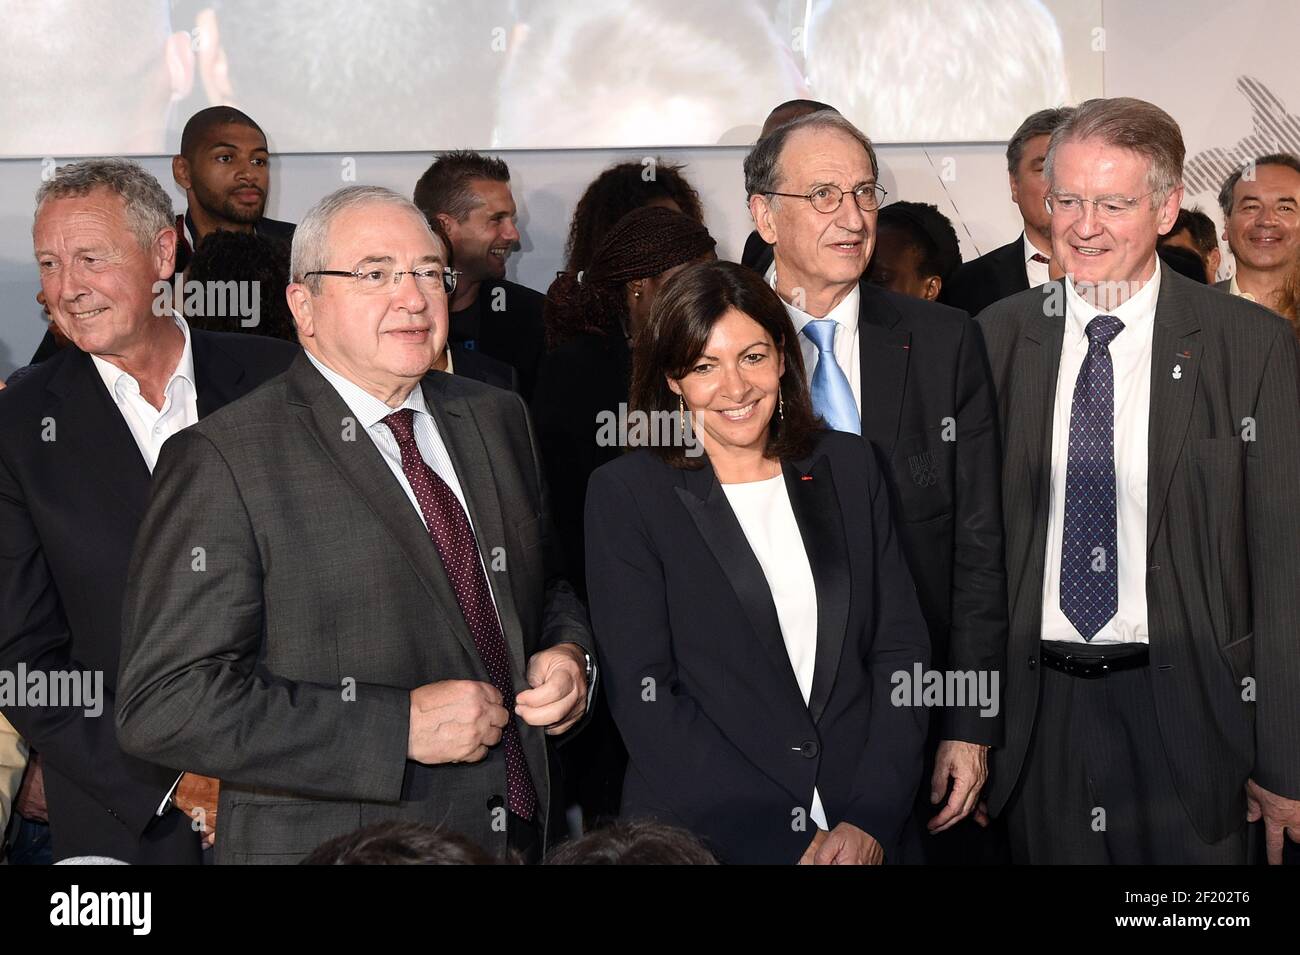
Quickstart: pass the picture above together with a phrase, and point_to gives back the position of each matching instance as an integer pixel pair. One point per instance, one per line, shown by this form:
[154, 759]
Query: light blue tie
[831, 395]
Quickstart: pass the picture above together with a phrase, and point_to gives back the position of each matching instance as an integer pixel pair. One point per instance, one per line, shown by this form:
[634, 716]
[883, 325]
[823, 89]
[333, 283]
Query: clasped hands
[458, 721]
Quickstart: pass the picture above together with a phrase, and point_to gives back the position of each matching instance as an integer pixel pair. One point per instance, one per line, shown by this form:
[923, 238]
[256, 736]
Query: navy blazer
[698, 679]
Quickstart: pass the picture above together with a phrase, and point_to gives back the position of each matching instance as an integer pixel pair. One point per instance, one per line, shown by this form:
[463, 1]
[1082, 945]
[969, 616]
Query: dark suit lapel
[883, 353]
[326, 417]
[1011, 263]
[464, 440]
[1175, 341]
[817, 512]
[86, 419]
[709, 508]
[217, 374]
[1036, 397]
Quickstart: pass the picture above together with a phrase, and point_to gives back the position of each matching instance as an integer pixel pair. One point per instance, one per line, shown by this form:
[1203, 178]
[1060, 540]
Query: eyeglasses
[384, 281]
[1108, 207]
[826, 199]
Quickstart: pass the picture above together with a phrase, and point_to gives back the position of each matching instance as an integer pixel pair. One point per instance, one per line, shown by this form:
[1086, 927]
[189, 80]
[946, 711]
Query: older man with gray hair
[1152, 428]
[348, 606]
[910, 377]
[79, 436]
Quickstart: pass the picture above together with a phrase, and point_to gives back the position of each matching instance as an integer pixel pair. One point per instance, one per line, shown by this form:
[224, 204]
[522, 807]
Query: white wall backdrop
[1225, 73]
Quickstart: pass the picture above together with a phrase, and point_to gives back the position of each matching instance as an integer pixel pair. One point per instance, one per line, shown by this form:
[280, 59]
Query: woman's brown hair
[677, 332]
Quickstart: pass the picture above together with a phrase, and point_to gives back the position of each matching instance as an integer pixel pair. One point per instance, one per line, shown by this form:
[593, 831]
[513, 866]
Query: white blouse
[766, 516]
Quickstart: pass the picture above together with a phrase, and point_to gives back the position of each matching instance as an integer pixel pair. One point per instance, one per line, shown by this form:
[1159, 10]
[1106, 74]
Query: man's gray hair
[763, 173]
[310, 251]
[1131, 124]
[1041, 123]
[148, 207]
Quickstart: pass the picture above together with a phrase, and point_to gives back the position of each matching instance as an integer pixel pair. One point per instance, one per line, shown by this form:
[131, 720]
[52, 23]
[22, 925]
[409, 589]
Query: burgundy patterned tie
[454, 538]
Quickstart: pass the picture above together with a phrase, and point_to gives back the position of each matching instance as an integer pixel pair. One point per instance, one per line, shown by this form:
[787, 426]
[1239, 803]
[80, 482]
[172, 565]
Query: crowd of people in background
[354, 560]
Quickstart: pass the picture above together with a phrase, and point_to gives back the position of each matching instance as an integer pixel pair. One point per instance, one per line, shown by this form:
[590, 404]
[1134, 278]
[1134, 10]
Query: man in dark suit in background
[79, 436]
[378, 631]
[1152, 428]
[1023, 263]
[469, 193]
[911, 377]
[224, 167]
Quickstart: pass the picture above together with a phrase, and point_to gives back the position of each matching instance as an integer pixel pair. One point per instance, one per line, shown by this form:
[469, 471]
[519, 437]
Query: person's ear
[164, 253]
[1167, 215]
[300, 304]
[673, 385]
[933, 285]
[214, 69]
[1015, 187]
[1216, 259]
[452, 227]
[179, 57]
[181, 172]
[760, 209]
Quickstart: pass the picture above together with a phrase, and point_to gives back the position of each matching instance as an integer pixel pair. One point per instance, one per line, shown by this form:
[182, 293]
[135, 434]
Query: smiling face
[96, 279]
[1093, 250]
[486, 238]
[733, 387]
[1263, 229]
[229, 175]
[822, 253]
[384, 342]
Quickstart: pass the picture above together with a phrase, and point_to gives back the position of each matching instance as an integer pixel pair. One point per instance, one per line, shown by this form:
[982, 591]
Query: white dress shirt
[1235, 289]
[151, 426]
[845, 346]
[370, 413]
[1036, 272]
[1130, 353]
[766, 516]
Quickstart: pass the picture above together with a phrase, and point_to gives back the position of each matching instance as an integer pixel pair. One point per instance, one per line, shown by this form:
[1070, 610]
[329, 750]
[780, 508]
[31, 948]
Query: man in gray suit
[1152, 512]
[348, 608]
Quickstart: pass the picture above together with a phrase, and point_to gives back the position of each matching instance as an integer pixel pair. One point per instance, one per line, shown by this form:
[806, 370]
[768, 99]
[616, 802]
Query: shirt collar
[365, 407]
[845, 313]
[1235, 289]
[115, 378]
[1028, 250]
[1137, 313]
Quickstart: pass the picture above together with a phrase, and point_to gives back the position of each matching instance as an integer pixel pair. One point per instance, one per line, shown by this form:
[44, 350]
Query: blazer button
[496, 802]
[810, 749]
[1033, 662]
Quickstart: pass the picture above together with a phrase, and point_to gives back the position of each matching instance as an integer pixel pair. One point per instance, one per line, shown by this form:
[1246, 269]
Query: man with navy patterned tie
[347, 607]
[1152, 429]
[911, 377]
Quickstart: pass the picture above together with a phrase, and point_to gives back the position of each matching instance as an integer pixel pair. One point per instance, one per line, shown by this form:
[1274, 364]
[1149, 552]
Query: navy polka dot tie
[454, 538]
[1089, 562]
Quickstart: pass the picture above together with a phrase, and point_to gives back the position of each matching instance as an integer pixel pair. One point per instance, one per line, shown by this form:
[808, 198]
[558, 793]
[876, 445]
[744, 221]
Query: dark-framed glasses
[383, 280]
[826, 199]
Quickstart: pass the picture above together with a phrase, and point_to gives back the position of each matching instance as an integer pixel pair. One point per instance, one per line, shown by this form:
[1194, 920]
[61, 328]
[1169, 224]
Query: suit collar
[813, 499]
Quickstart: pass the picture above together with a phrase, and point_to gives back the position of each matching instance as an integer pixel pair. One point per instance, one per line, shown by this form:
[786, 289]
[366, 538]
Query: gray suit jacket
[290, 598]
[1223, 537]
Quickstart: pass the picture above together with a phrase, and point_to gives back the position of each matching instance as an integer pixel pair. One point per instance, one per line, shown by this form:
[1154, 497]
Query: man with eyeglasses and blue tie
[1152, 428]
[910, 377]
[348, 609]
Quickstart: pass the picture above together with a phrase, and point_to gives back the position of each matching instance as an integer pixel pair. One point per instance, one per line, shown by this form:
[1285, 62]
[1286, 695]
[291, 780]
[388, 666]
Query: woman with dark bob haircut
[750, 602]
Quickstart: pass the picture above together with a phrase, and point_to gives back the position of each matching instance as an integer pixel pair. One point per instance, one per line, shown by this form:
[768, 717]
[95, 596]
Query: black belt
[1092, 663]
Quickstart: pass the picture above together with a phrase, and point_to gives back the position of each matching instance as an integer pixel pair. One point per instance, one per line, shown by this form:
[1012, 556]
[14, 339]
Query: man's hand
[846, 844]
[967, 765]
[558, 697]
[811, 852]
[196, 796]
[30, 801]
[1281, 818]
[454, 721]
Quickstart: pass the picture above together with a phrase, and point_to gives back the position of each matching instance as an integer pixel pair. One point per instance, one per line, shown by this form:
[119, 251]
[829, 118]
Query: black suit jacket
[1223, 537]
[69, 511]
[696, 671]
[483, 367]
[285, 669]
[980, 282]
[928, 409]
[505, 322]
[272, 228]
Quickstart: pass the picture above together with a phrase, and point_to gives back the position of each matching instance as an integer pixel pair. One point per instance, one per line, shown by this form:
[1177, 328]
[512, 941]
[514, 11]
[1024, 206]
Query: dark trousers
[1096, 787]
